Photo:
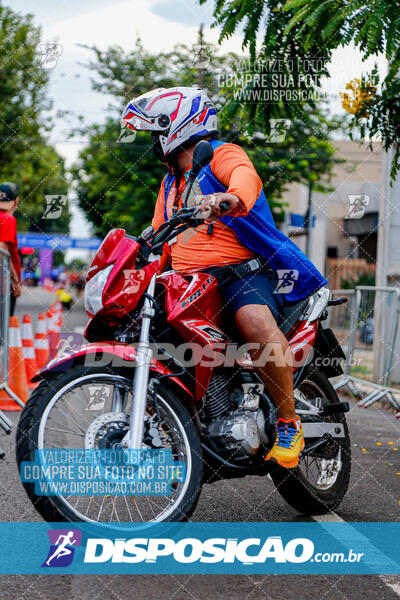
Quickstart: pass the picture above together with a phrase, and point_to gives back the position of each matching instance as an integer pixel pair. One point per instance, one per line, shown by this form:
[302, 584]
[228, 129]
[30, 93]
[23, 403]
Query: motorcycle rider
[251, 259]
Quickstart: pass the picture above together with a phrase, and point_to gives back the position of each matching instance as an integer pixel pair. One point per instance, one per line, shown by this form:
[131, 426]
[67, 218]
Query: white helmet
[177, 117]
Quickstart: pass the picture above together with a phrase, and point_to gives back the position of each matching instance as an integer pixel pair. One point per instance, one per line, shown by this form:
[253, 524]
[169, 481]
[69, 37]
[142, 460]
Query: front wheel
[88, 408]
[320, 481]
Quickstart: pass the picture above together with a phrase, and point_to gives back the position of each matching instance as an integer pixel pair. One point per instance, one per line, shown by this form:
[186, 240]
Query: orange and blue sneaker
[288, 444]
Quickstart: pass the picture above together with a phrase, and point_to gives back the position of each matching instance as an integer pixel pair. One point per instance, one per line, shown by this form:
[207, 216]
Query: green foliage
[352, 282]
[77, 264]
[304, 29]
[382, 118]
[125, 75]
[118, 182]
[25, 156]
[374, 27]
[281, 77]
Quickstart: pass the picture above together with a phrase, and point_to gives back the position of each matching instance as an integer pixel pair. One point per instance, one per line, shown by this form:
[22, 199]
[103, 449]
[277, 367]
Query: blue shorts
[255, 288]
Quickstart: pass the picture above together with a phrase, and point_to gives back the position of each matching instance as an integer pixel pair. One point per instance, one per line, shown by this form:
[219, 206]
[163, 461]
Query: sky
[160, 24]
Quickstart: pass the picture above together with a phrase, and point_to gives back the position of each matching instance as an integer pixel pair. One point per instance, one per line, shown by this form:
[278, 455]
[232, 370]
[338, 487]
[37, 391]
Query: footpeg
[334, 409]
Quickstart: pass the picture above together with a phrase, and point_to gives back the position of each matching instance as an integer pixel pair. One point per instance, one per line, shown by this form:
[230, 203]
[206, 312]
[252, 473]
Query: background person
[8, 236]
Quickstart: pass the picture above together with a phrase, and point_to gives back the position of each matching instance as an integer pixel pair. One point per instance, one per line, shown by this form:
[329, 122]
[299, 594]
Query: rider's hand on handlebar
[214, 206]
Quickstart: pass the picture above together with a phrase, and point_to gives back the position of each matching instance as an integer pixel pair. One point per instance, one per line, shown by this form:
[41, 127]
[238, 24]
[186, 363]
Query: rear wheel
[88, 408]
[320, 481]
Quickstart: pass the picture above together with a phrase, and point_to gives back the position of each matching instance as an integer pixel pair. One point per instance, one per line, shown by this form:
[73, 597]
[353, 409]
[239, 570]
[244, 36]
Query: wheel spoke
[65, 431]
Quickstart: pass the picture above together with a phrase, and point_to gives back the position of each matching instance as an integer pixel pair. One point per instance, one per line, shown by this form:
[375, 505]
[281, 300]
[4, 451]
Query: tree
[280, 78]
[374, 27]
[117, 182]
[77, 264]
[25, 156]
[315, 29]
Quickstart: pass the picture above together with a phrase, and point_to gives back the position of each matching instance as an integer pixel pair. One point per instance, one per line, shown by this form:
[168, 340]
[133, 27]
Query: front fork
[134, 438]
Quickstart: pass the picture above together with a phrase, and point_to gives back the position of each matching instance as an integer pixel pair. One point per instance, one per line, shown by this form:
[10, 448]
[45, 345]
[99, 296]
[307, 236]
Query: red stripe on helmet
[173, 115]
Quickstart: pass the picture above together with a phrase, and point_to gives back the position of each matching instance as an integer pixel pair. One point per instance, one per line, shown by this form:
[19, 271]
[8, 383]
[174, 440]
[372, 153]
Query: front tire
[71, 390]
[297, 486]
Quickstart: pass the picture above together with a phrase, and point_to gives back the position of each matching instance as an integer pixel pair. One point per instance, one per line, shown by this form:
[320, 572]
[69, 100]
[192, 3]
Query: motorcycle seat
[291, 314]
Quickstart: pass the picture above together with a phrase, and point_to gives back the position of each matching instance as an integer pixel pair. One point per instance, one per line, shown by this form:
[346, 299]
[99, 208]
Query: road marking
[333, 517]
[395, 587]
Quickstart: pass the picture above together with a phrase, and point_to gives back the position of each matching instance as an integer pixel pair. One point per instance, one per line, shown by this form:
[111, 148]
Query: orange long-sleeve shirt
[195, 248]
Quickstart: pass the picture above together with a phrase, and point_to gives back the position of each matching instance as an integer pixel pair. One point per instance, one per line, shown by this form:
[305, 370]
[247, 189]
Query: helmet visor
[148, 112]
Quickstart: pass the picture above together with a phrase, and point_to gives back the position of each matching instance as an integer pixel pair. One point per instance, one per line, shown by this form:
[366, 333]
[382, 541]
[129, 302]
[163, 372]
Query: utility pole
[308, 222]
[201, 57]
[387, 271]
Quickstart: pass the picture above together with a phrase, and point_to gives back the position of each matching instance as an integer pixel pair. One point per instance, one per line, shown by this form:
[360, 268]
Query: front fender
[103, 354]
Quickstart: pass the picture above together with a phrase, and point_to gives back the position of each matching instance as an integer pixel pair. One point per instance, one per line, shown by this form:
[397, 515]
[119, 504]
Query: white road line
[333, 517]
[395, 587]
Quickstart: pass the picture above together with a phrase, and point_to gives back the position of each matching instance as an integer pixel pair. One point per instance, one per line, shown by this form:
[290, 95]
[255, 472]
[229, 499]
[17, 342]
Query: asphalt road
[373, 495]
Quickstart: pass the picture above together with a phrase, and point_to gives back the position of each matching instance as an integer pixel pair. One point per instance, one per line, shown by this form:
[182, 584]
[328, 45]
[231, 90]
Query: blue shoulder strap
[169, 180]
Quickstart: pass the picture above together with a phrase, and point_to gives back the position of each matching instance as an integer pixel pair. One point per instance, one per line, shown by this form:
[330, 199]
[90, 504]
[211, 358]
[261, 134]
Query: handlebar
[338, 300]
[179, 222]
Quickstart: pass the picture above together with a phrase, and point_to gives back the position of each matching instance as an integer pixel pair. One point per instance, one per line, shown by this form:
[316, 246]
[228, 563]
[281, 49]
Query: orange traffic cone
[59, 322]
[53, 333]
[41, 342]
[48, 285]
[16, 370]
[58, 325]
[56, 307]
[28, 348]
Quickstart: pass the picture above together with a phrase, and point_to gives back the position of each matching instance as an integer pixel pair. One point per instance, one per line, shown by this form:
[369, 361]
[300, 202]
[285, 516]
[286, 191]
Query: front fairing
[194, 309]
[124, 289]
[192, 295]
[125, 284]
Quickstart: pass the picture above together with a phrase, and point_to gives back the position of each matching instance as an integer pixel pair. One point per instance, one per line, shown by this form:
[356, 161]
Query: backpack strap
[169, 180]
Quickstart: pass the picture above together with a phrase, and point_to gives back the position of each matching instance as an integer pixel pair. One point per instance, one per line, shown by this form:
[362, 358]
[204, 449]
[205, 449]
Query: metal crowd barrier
[5, 287]
[368, 327]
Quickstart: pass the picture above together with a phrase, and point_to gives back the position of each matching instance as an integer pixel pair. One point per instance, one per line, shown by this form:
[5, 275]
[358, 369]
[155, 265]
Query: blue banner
[57, 241]
[215, 548]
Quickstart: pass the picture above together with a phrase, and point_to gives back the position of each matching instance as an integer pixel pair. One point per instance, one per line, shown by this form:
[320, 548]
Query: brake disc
[107, 431]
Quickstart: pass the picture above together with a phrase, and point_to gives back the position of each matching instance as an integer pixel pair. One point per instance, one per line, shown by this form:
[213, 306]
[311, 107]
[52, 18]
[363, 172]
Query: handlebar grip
[224, 206]
[147, 233]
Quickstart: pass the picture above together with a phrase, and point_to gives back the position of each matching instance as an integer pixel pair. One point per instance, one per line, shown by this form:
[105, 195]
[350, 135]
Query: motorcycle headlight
[94, 290]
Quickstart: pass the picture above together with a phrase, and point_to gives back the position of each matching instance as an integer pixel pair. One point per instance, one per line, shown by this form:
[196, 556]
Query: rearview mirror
[202, 156]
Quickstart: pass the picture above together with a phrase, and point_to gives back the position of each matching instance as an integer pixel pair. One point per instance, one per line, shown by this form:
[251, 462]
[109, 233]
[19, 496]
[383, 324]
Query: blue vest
[258, 232]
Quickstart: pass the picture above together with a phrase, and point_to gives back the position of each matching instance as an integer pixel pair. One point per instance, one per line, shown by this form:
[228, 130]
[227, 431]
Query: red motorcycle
[163, 370]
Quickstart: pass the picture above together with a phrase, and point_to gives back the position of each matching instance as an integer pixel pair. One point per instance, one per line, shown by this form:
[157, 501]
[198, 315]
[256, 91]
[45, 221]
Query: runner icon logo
[286, 280]
[62, 542]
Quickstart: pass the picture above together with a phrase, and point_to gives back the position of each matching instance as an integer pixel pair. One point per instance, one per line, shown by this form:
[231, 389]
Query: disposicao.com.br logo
[247, 551]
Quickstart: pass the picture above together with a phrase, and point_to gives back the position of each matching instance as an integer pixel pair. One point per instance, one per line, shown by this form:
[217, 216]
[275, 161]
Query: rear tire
[293, 485]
